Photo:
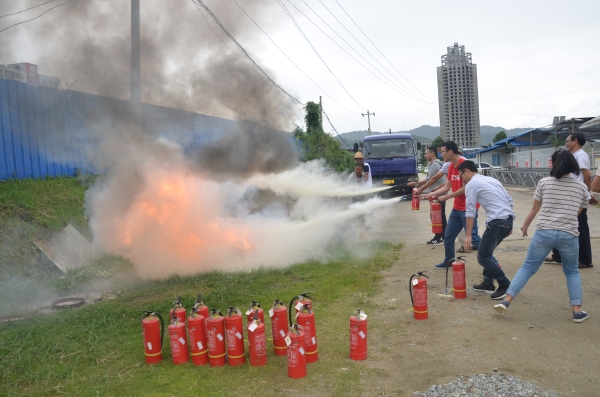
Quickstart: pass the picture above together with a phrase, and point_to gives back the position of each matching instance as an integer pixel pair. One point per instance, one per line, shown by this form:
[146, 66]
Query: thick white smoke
[179, 221]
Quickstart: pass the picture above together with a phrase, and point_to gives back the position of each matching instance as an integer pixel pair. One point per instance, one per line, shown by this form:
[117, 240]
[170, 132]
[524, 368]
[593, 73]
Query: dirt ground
[535, 340]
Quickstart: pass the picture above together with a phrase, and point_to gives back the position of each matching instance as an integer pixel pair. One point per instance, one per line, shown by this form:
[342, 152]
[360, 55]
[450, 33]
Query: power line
[29, 20]
[338, 134]
[244, 62]
[315, 50]
[290, 59]
[408, 94]
[30, 8]
[338, 3]
[201, 3]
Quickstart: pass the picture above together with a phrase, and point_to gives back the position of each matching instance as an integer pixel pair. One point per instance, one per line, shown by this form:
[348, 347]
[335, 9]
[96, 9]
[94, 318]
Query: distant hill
[427, 133]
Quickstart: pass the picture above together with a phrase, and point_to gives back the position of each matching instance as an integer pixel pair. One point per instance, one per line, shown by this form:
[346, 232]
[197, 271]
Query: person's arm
[452, 195]
[595, 186]
[587, 177]
[445, 188]
[532, 213]
[430, 182]
[471, 210]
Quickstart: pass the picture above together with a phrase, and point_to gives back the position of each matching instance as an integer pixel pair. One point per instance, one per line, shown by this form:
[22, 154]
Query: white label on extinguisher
[252, 327]
[301, 350]
[282, 333]
[415, 281]
[248, 311]
[314, 340]
[199, 344]
[299, 305]
[271, 312]
[238, 335]
[220, 337]
[362, 334]
[181, 340]
[149, 344]
[362, 316]
[288, 340]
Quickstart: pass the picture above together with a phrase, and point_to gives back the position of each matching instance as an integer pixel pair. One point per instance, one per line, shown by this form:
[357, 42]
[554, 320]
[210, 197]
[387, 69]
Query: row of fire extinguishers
[417, 287]
[418, 282]
[215, 338]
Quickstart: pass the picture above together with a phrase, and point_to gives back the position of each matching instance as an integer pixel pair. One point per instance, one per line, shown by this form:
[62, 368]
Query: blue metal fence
[47, 132]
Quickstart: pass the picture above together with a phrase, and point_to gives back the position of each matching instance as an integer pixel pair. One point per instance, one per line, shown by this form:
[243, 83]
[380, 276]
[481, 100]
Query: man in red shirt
[456, 220]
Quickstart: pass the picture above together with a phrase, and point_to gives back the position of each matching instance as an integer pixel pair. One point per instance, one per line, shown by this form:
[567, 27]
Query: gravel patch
[487, 385]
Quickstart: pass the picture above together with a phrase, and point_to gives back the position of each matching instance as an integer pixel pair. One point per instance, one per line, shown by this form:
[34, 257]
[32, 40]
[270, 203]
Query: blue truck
[392, 159]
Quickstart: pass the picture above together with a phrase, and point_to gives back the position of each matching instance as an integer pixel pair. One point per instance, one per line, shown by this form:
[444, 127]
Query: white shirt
[584, 163]
[491, 195]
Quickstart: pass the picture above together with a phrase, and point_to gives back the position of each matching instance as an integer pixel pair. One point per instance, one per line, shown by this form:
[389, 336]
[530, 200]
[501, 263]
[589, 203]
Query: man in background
[435, 165]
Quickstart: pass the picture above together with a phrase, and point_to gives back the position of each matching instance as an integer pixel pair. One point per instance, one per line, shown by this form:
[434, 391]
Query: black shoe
[435, 241]
[487, 288]
[500, 292]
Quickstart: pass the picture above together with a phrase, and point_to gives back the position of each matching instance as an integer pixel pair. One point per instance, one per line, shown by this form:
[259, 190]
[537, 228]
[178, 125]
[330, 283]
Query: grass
[97, 350]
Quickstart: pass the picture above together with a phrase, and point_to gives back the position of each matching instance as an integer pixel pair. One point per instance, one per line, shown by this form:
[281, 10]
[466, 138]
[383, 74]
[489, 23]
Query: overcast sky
[535, 59]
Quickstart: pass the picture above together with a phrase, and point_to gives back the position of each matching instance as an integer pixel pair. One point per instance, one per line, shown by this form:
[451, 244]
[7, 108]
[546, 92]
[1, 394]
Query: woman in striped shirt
[560, 198]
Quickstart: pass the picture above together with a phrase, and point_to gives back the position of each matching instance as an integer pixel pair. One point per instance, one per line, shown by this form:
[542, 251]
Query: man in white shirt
[574, 144]
[360, 159]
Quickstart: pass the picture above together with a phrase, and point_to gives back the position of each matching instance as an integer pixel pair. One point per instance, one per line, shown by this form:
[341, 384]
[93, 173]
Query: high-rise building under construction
[458, 98]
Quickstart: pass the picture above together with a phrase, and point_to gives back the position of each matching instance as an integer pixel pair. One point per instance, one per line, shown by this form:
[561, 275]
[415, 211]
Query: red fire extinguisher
[235, 337]
[459, 278]
[197, 332]
[417, 287]
[302, 299]
[254, 306]
[153, 329]
[306, 319]
[358, 335]
[436, 216]
[296, 353]
[216, 338]
[179, 310]
[201, 309]
[257, 341]
[279, 327]
[179, 344]
[415, 199]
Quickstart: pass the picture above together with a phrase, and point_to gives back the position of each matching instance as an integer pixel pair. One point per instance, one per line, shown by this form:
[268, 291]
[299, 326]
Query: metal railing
[521, 177]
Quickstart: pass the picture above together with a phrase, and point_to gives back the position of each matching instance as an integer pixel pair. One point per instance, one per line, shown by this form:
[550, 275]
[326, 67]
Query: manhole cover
[67, 303]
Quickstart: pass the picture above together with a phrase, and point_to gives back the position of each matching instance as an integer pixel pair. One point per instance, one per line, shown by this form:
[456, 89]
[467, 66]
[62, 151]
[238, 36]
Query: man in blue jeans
[497, 203]
[456, 220]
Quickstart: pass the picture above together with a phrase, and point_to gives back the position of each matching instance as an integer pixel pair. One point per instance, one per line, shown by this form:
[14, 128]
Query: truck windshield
[388, 148]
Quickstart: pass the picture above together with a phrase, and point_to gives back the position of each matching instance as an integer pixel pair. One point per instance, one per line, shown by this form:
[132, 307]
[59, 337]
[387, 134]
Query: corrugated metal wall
[48, 132]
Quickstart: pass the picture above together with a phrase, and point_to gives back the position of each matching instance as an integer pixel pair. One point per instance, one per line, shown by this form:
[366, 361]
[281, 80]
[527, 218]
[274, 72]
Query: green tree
[319, 145]
[499, 136]
[437, 142]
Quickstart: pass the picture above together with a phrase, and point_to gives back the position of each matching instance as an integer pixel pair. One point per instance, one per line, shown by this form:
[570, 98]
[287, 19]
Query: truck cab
[392, 160]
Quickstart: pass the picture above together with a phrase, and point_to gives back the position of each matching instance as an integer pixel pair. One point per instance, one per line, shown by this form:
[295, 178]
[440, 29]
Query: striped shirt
[561, 200]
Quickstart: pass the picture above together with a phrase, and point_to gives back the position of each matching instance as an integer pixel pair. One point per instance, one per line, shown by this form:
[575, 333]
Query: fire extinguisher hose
[294, 299]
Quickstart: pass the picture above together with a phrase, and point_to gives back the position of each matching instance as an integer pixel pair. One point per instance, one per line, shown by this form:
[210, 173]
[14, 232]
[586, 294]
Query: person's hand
[467, 245]
[524, 230]
[411, 184]
[593, 200]
[419, 191]
[442, 199]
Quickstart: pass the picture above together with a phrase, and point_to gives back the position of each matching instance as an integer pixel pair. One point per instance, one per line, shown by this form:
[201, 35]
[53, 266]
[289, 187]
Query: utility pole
[369, 118]
[321, 111]
[136, 72]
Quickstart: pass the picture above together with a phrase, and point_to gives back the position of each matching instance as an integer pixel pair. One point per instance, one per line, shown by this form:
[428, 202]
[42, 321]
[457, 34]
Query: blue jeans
[456, 223]
[541, 243]
[495, 231]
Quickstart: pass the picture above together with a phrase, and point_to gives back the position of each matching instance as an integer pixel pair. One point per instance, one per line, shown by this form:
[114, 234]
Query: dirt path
[536, 340]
